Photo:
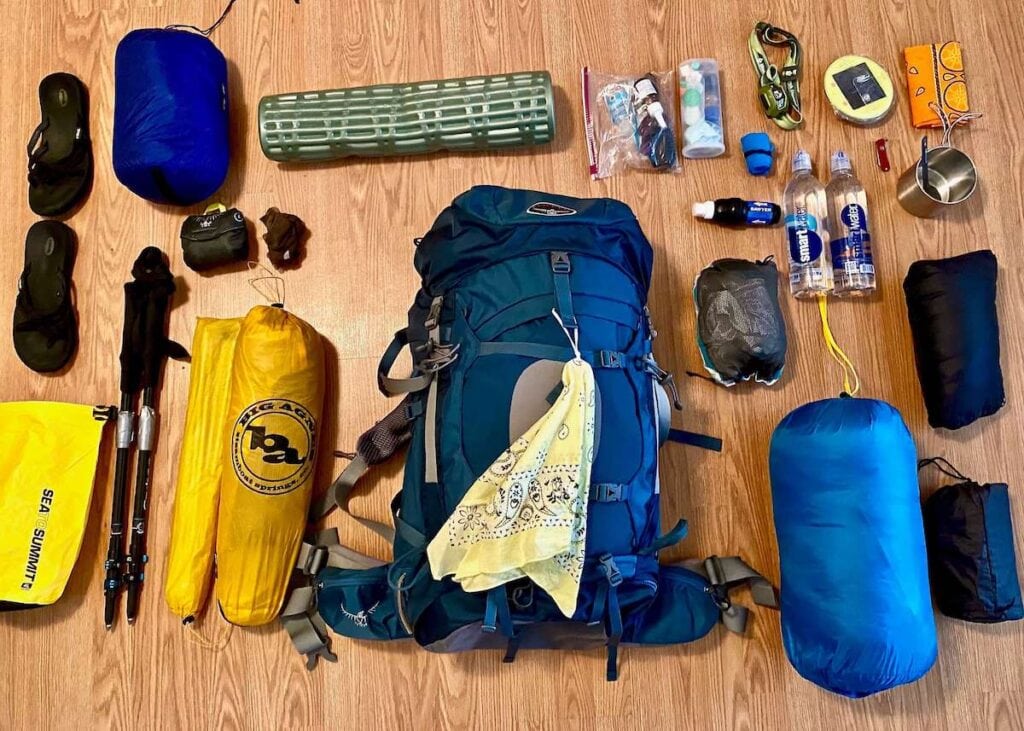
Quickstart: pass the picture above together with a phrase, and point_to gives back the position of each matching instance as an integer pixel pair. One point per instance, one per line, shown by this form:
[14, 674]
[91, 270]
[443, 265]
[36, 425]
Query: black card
[859, 85]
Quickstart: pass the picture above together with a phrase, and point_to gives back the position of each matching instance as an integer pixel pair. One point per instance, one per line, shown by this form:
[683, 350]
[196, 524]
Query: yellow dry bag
[48, 457]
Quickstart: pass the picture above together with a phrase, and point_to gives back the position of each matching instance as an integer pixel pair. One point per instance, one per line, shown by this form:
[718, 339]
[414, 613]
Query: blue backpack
[487, 358]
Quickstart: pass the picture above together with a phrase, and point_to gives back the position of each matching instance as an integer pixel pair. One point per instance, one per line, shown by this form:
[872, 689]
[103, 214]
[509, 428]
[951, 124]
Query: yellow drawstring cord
[835, 351]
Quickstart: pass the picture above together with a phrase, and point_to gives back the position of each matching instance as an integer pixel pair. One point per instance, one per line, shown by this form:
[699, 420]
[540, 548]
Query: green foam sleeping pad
[474, 113]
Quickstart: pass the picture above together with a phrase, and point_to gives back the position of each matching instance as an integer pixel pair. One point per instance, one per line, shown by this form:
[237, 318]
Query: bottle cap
[801, 161]
[658, 113]
[758, 152]
[705, 210]
[840, 162]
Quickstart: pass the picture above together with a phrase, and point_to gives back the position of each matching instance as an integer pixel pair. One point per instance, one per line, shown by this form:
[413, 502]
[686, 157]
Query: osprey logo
[550, 209]
[207, 222]
[272, 446]
[360, 618]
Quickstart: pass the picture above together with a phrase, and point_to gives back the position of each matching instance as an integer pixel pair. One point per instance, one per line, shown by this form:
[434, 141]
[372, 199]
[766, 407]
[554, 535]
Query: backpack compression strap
[725, 573]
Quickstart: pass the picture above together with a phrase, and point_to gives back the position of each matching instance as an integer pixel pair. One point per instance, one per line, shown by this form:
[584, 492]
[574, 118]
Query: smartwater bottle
[806, 217]
[852, 265]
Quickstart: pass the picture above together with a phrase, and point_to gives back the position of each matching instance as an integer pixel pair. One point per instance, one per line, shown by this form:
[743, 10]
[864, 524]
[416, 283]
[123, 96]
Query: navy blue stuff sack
[170, 116]
[970, 550]
[951, 304]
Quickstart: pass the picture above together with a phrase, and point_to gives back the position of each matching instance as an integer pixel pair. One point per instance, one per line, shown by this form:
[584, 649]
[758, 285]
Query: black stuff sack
[951, 304]
[740, 330]
[216, 238]
[971, 557]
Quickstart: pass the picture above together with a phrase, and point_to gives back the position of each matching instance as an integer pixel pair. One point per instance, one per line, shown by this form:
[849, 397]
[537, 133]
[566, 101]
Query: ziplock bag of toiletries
[629, 122]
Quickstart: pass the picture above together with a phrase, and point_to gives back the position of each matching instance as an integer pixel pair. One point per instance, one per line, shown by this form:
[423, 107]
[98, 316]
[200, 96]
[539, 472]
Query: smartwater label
[852, 252]
[804, 242]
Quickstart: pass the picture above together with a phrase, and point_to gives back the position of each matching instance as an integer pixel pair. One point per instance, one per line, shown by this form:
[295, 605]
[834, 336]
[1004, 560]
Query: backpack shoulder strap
[377, 445]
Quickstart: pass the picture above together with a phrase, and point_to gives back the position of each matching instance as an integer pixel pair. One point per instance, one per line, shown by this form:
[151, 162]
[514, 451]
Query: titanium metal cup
[952, 179]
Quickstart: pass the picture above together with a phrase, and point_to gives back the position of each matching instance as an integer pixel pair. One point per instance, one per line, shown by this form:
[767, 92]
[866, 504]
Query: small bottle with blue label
[853, 267]
[806, 217]
[738, 212]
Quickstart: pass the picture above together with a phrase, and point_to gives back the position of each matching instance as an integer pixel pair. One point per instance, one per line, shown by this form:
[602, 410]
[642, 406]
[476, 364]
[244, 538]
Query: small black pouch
[217, 237]
[952, 308]
[971, 557]
[740, 330]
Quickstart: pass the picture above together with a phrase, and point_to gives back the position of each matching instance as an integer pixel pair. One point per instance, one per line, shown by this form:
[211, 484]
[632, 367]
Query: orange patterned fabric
[935, 80]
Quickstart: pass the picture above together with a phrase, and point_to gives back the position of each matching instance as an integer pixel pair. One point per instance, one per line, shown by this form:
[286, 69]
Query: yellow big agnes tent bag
[277, 395]
[48, 457]
[247, 463]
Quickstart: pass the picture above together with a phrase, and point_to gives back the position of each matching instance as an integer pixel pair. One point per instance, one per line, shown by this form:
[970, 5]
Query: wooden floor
[60, 669]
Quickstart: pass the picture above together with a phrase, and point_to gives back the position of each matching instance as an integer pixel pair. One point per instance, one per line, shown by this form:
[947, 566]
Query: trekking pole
[150, 296]
[115, 548]
[135, 564]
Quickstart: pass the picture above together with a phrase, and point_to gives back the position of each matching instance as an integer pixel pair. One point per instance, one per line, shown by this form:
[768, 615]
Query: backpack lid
[480, 227]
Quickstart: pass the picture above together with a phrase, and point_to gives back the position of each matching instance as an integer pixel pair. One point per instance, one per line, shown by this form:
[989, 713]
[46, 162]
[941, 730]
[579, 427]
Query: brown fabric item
[285, 235]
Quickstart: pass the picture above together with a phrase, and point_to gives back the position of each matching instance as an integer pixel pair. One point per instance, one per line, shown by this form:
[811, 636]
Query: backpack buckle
[610, 359]
[607, 492]
[316, 559]
[434, 314]
[560, 262]
[522, 596]
[413, 410]
[611, 570]
[718, 589]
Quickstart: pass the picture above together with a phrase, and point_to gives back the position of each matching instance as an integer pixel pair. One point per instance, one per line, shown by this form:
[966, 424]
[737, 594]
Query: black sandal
[45, 327]
[60, 151]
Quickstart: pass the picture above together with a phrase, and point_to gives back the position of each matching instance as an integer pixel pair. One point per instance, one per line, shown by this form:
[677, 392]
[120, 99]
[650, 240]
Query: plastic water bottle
[853, 268]
[806, 216]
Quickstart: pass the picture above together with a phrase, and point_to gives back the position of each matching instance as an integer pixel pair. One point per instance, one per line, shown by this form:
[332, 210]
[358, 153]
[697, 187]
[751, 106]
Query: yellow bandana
[526, 516]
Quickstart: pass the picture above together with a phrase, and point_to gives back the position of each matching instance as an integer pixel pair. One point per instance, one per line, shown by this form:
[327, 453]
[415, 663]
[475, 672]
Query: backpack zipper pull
[651, 332]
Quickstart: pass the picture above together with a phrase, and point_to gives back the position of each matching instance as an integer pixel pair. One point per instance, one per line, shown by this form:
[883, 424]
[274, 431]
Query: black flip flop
[60, 150]
[45, 328]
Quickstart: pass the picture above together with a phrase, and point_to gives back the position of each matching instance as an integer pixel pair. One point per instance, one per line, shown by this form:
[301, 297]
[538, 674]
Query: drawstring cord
[947, 125]
[574, 339]
[273, 293]
[836, 352]
[207, 31]
[214, 644]
[944, 466]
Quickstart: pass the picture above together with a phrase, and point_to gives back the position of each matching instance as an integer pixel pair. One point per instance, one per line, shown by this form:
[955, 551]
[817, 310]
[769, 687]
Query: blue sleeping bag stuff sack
[170, 116]
[856, 609]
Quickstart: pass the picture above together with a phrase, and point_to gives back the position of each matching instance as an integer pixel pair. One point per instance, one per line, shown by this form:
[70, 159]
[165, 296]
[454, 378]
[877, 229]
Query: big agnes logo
[272, 446]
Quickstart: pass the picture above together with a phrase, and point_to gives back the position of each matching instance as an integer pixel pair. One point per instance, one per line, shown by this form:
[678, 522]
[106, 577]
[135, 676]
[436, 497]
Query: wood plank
[61, 669]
